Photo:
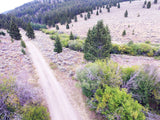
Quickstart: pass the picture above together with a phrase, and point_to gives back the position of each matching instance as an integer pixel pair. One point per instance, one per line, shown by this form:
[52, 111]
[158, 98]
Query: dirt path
[58, 104]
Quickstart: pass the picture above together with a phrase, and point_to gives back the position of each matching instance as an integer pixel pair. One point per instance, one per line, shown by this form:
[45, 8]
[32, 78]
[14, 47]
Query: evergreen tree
[75, 19]
[98, 43]
[145, 2]
[124, 33]
[118, 5]
[57, 45]
[108, 9]
[100, 10]
[97, 13]
[155, 1]
[67, 26]
[30, 31]
[85, 18]
[57, 27]
[149, 5]
[91, 11]
[81, 15]
[88, 15]
[126, 14]
[14, 31]
[71, 37]
[130, 1]
[54, 25]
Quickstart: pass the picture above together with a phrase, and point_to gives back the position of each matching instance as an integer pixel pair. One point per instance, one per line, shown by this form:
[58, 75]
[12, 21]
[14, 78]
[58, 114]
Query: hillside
[53, 12]
[141, 24]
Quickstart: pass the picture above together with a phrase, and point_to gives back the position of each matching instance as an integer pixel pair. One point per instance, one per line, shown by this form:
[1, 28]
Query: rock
[71, 73]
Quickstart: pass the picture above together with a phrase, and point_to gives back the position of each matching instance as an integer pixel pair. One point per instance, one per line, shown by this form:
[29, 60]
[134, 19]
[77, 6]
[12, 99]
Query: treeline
[5, 21]
[63, 12]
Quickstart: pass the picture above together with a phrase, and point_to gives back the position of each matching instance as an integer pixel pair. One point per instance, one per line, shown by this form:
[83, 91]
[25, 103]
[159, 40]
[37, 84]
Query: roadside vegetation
[120, 93]
[20, 101]
[131, 48]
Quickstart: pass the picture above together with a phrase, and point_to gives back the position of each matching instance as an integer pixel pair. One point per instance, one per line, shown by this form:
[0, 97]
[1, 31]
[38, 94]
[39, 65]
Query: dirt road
[58, 103]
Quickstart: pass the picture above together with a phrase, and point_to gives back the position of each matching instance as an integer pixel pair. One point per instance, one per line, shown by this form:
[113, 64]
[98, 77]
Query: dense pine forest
[5, 21]
[52, 12]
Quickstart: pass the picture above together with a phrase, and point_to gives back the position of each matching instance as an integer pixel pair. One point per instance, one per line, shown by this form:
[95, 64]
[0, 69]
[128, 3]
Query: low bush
[128, 72]
[2, 33]
[76, 45]
[144, 86]
[135, 49]
[23, 51]
[50, 32]
[15, 96]
[23, 44]
[95, 74]
[35, 113]
[53, 37]
[114, 103]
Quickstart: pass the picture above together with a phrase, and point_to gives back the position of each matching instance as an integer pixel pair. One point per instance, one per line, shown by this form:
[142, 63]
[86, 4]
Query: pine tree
[98, 43]
[30, 31]
[81, 15]
[155, 1]
[67, 26]
[118, 5]
[71, 36]
[91, 11]
[124, 33]
[75, 19]
[14, 31]
[97, 13]
[126, 14]
[88, 15]
[85, 18]
[149, 5]
[57, 45]
[57, 27]
[100, 10]
[108, 9]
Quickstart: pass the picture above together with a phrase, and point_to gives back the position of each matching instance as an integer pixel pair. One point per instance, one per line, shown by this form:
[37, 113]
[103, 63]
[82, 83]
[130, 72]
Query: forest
[52, 13]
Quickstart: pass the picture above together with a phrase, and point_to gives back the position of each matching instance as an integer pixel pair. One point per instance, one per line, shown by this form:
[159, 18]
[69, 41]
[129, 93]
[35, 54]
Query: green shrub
[148, 42]
[135, 49]
[53, 37]
[35, 113]
[128, 72]
[95, 74]
[124, 33]
[130, 43]
[114, 103]
[145, 83]
[23, 44]
[64, 42]
[23, 51]
[48, 31]
[76, 45]
[2, 33]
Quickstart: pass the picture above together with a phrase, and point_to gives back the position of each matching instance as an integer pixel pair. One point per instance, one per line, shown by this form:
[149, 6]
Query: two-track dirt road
[58, 103]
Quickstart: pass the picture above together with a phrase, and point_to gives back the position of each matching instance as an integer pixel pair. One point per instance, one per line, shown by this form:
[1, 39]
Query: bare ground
[146, 27]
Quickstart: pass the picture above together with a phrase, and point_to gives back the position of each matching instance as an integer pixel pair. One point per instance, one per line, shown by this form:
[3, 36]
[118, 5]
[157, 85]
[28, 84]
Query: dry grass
[146, 27]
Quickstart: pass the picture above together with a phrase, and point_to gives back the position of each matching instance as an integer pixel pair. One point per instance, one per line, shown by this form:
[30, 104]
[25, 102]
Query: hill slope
[141, 25]
[51, 12]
